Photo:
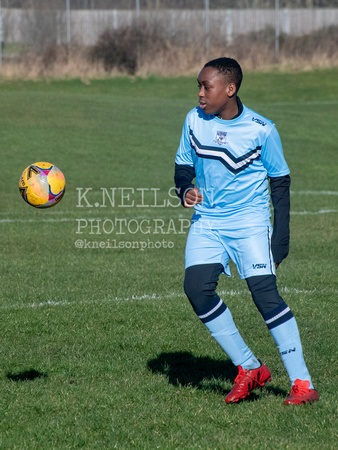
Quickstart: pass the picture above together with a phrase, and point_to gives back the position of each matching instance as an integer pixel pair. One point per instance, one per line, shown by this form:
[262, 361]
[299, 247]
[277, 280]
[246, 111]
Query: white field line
[69, 219]
[62, 219]
[314, 192]
[73, 219]
[154, 296]
[309, 213]
[304, 103]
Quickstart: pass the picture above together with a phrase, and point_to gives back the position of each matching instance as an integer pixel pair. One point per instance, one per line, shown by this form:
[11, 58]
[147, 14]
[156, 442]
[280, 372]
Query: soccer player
[234, 153]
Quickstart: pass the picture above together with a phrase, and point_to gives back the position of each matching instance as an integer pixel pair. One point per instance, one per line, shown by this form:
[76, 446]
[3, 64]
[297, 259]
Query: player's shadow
[185, 369]
[26, 375]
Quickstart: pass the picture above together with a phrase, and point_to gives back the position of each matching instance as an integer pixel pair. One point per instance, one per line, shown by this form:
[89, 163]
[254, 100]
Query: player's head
[229, 68]
[218, 84]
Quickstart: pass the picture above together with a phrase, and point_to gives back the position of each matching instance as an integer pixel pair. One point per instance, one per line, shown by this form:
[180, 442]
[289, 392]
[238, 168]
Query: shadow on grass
[27, 375]
[185, 369]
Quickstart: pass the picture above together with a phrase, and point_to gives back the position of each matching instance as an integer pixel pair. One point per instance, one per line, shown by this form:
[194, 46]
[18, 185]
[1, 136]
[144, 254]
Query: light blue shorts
[248, 248]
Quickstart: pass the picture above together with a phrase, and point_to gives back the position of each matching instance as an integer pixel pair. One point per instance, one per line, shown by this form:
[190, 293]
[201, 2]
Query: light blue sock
[289, 345]
[224, 331]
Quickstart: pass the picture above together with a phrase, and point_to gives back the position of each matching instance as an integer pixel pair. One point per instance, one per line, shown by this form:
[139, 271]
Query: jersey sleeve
[272, 155]
[280, 196]
[183, 155]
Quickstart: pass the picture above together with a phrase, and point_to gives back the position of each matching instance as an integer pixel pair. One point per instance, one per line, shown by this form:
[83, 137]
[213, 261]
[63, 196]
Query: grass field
[99, 347]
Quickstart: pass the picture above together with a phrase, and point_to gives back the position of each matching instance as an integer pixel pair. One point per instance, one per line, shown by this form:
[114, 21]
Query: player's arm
[280, 197]
[185, 172]
[278, 173]
[185, 190]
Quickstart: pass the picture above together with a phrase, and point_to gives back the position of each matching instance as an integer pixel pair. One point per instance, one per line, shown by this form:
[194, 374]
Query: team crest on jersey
[221, 138]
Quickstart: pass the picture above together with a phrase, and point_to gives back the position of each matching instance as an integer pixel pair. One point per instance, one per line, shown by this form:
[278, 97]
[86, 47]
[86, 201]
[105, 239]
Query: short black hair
[228, 67]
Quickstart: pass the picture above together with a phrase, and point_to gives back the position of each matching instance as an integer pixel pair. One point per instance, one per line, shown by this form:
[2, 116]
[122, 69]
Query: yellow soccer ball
[42, 185]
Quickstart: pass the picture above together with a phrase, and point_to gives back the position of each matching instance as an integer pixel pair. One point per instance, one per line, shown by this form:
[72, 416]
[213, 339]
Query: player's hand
[277, 265]
[192, 198]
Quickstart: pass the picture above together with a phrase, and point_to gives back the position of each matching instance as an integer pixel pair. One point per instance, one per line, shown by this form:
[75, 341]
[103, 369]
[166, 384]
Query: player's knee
[265, 293]
[196, 287]
[200, 283]
[270, 304]
[192, 288]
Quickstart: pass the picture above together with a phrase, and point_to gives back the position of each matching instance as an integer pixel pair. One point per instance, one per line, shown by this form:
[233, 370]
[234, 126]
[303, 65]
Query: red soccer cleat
[246, 381]
[301, 394]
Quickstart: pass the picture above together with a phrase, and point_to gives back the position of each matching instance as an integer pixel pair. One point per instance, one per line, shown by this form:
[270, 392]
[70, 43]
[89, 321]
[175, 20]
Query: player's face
[215, 92]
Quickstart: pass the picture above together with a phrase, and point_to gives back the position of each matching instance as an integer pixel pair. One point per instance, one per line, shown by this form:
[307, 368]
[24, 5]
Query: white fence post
[58, 27]
[207, 28]
[68, 21]
[228, 26]
[277, 30]
[137, 9]
[0, 36]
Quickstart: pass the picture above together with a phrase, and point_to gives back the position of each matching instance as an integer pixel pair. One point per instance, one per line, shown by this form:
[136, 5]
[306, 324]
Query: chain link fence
[207, 26]
[169, 4]
[181, 20]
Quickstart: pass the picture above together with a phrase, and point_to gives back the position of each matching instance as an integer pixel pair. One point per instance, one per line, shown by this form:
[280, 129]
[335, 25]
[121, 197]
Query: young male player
[233, 152]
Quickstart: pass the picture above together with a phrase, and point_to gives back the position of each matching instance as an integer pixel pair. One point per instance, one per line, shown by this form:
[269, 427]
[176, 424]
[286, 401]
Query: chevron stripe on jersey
[223, 155]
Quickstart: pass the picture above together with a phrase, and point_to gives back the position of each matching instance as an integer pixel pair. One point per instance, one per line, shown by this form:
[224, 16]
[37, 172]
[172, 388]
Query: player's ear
[231, 89]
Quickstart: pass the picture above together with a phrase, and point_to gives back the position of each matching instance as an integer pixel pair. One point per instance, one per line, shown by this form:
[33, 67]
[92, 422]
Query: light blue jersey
[232, 160]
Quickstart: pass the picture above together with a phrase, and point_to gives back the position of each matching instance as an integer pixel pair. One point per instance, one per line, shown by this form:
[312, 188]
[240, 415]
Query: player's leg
[200, 287]
[206, 259]
[283, 328]
[253, 257]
